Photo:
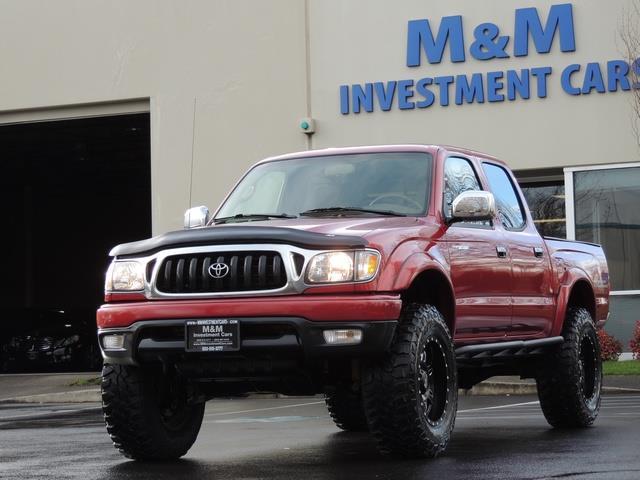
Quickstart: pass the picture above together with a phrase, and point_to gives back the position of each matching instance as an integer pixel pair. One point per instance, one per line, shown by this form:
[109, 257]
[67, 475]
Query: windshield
[334, 185]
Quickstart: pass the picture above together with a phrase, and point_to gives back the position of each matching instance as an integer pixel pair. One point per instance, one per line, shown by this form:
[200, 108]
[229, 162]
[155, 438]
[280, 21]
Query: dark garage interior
[69, 191]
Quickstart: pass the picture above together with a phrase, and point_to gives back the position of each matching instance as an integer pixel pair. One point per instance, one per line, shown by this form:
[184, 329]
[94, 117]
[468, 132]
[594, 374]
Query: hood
[339, 226]
[307, 232]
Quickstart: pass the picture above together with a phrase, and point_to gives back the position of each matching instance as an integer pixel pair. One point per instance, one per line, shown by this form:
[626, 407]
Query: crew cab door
[533, 304]
[480, 267]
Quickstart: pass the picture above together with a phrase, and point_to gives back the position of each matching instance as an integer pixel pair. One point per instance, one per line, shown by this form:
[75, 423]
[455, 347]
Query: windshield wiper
[251, 216]
[330, 210]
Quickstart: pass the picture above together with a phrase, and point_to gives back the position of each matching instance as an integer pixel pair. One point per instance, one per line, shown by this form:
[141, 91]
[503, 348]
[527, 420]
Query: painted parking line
[496, 407]
[282, 419]
[238, 412]
[265, 409]
[523, 409]
[631, 399]
[499, 417]
[611, 407]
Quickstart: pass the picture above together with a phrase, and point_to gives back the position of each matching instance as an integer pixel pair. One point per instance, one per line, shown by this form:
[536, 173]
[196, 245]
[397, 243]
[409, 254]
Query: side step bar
[505, 350]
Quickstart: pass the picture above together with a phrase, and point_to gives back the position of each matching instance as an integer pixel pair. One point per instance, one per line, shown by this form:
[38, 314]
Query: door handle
[538, 251]
[501, 251]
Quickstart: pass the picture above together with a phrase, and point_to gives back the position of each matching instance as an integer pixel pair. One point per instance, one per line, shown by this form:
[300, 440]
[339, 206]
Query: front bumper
[270, 327]
[269, 337]
[313, 307]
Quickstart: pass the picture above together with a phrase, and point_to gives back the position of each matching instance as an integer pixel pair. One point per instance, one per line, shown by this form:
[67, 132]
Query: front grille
[247, 271]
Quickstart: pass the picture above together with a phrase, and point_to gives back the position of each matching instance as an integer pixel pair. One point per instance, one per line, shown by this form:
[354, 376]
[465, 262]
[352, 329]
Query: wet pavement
[24, 384]
[495, 438]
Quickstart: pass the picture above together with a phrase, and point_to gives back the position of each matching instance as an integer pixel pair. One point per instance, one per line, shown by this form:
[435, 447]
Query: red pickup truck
[384, 277]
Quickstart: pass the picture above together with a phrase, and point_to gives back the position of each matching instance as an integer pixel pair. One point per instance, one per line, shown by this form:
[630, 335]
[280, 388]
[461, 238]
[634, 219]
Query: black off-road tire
[346, 409]
[570, 380]
[411, 396]
[142, 423]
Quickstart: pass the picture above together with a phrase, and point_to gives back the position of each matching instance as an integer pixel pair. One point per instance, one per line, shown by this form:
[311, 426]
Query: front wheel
[149, 416]
[411, 397]
[570, 381]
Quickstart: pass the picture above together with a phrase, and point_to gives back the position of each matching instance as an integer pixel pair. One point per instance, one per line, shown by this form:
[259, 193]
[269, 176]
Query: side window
[459, 176]
[507, 201]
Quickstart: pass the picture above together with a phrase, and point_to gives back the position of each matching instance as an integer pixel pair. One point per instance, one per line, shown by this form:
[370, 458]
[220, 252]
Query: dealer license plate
[215, 335]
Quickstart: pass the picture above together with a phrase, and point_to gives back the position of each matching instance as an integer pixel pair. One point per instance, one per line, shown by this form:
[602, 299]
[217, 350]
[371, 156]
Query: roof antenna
[193, 141]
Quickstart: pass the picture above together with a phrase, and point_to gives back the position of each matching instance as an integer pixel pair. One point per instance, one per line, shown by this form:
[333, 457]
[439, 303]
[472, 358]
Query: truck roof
[381, 148]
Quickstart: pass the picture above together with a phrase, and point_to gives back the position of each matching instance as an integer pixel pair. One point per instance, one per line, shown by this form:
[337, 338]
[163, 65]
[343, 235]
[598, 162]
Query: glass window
[263, 194]
[607, 212]
[459, 177]
[398, 182]
[507, 203]
[624, 315]
[546, 204]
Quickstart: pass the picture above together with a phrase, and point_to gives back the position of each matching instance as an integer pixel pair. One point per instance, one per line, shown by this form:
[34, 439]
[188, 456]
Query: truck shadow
[473, 453]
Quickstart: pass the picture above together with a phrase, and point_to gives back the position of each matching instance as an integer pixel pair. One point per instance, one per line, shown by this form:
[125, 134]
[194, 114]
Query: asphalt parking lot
[495, 437]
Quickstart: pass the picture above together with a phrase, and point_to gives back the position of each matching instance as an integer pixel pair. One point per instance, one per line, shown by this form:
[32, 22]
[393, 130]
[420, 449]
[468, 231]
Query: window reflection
[547, 205]
[459, 177]
[507, 203]
[395, 181]
[607, 211]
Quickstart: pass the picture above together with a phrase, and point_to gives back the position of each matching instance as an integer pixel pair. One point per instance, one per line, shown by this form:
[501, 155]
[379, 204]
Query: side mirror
[473, 205]
[196, 217]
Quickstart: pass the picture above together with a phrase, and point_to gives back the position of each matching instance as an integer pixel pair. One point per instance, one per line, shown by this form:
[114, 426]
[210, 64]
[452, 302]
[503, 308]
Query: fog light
[352, 336]
[113, 342]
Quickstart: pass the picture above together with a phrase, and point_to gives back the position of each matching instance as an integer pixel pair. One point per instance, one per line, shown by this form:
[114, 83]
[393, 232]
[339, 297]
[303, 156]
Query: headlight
[335, 267]
[127, 276]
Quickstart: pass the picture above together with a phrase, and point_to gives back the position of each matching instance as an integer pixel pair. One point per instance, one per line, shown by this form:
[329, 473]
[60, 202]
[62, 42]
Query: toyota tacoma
[385, 278]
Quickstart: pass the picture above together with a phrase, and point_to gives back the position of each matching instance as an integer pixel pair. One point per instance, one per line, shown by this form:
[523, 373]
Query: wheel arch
[431, 286]
[578, 294]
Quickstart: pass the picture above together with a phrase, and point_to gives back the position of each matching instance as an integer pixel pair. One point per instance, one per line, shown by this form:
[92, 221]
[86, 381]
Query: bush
[634, 343]
[610, 346]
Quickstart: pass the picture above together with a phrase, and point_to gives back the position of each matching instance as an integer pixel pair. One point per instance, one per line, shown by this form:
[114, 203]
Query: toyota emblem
[218, 270]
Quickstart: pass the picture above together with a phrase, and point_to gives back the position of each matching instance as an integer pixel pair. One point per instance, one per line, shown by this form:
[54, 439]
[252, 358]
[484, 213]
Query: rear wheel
[411, 397]
[345, 407]
[570, 380]
[149, 416]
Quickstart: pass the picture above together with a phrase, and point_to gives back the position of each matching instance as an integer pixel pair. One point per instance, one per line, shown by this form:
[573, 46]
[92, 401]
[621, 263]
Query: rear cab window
[508, 203]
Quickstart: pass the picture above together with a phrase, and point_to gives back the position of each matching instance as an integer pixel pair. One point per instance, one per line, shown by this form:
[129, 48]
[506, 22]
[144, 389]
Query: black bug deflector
[239, 235]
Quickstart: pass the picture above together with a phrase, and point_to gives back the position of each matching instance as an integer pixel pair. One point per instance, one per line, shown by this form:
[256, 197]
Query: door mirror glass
[196, 217]
[474, 205]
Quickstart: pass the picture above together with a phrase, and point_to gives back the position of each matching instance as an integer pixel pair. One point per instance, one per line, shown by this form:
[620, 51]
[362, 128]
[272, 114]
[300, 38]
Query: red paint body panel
[520, 296]
[533, 302]
[574, 263]
[315, 308]
[481, 281]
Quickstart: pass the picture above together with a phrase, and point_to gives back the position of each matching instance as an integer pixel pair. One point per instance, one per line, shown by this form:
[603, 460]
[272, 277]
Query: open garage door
[69, 191]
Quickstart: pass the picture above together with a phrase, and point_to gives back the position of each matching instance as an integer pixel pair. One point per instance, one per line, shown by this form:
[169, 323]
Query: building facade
[543, 85]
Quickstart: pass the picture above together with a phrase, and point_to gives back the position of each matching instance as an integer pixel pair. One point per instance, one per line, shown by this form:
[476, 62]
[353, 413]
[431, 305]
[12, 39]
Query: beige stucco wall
[362, 41]
[244, 63]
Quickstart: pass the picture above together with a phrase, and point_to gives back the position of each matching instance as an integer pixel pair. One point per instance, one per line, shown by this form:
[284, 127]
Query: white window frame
[570, 206]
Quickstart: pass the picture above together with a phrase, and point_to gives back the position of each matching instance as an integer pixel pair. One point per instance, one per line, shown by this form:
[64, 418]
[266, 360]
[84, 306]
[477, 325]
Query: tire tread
[126, 415]
[346, 409]
[558, 388]
[389, 390]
